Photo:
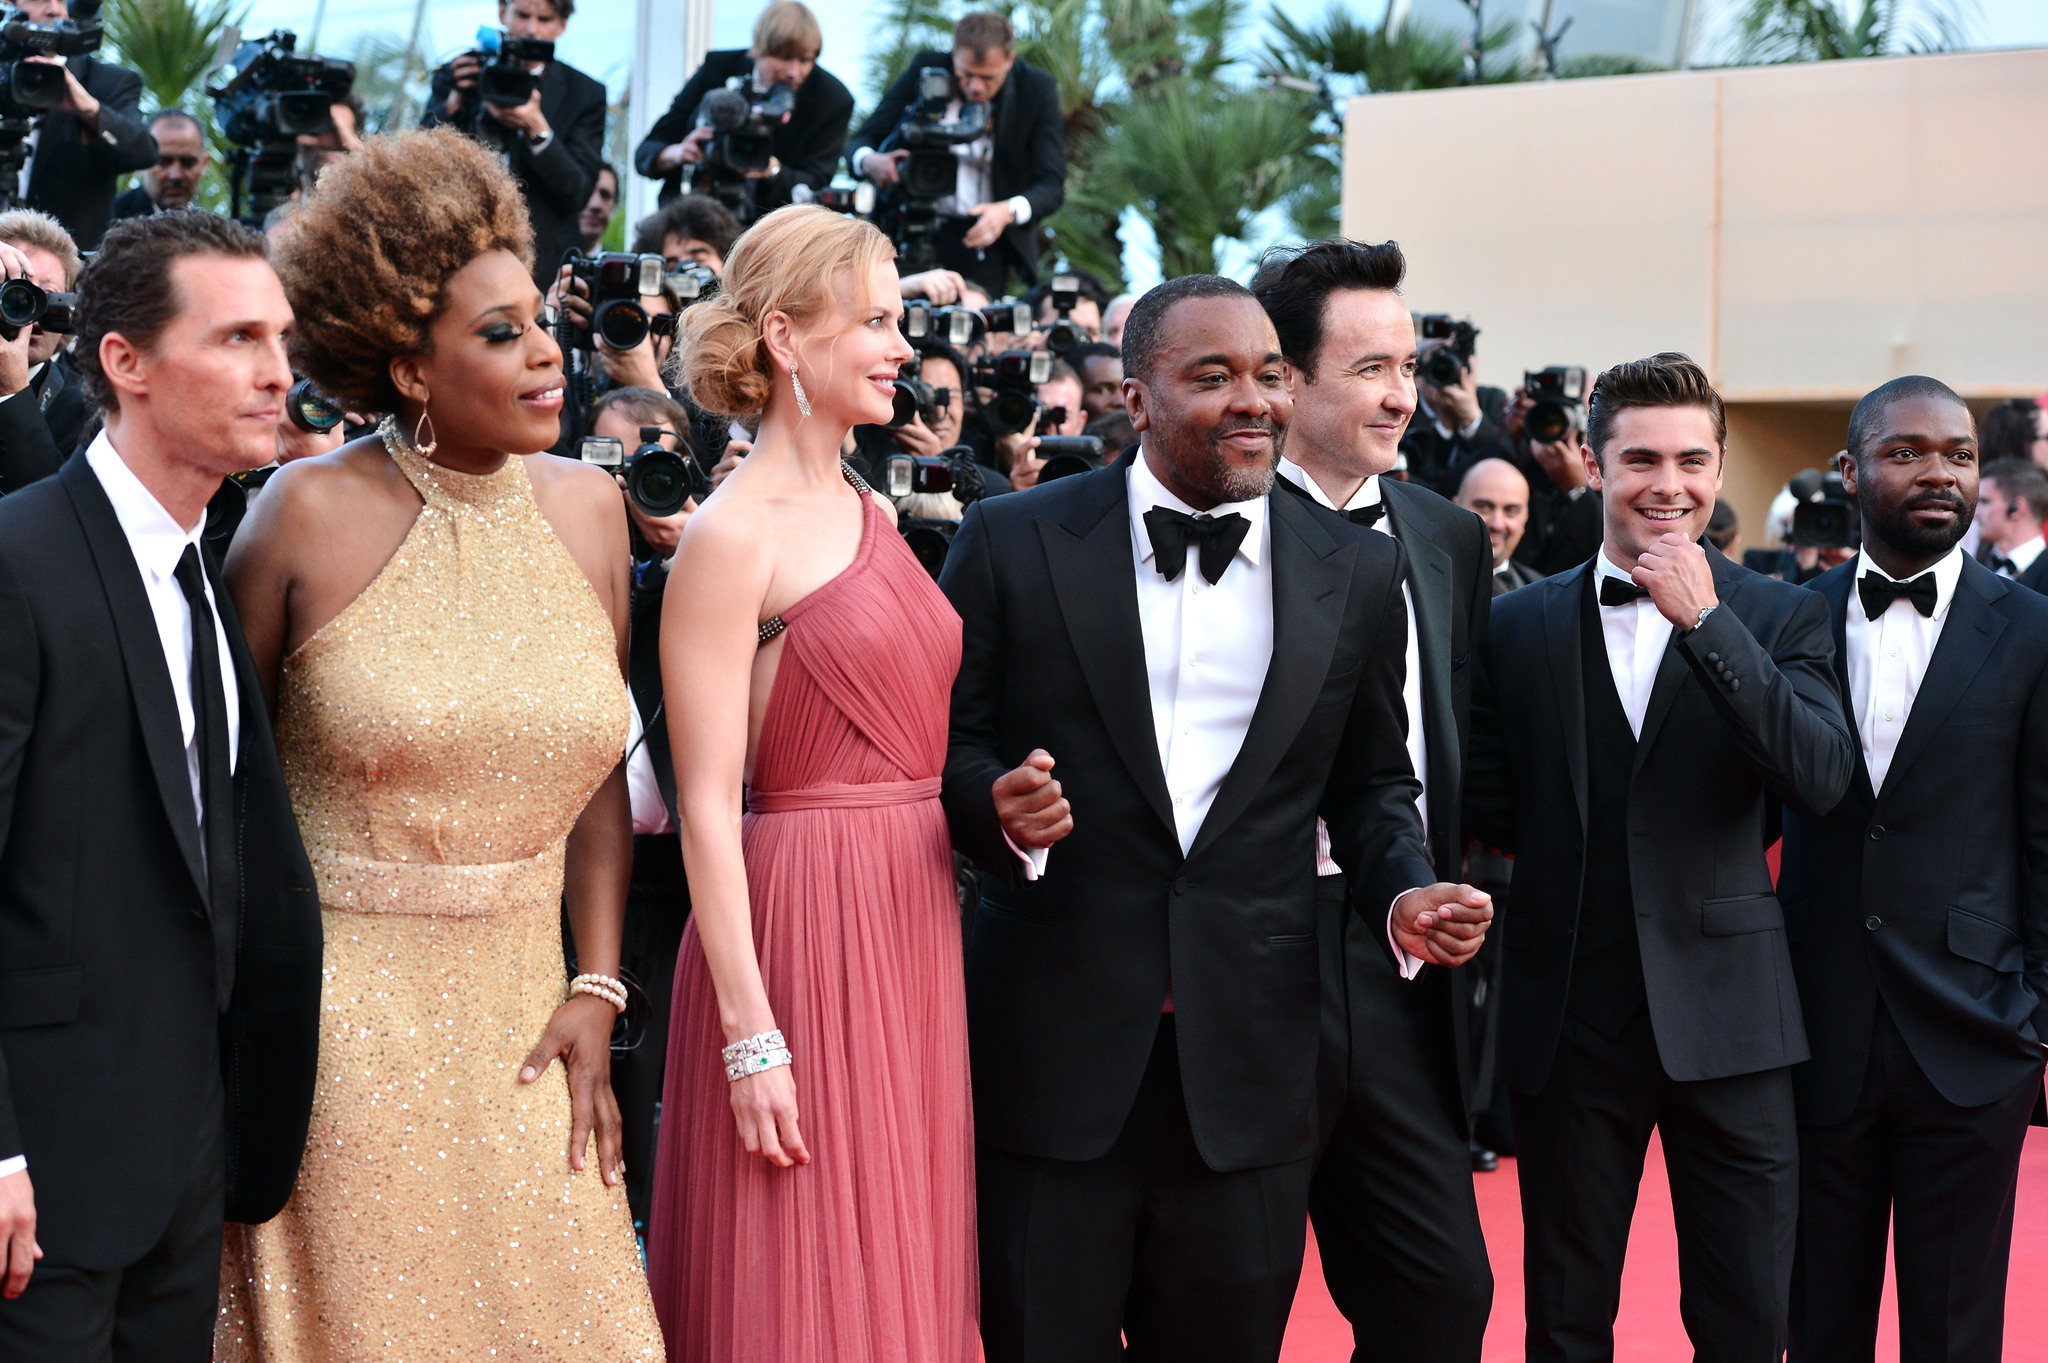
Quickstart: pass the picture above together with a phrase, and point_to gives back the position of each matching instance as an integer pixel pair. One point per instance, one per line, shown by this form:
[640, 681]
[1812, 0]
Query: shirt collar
[2022, 557]
[1146, 492]
[157, 540]
[1947, 574]
[1606, 567]
[1368, 493]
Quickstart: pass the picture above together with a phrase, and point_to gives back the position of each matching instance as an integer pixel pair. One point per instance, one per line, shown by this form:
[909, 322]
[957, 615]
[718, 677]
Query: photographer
[804, 145]
[38, 428]
[1011, 176]
[599, 209]
[1564, 517]
[1101, 367]
[85, 144]
[936, 426]
[1084, 313]
[553, 143]
[1456, 421]
[181, 159]
[318, 151]
[694, 228]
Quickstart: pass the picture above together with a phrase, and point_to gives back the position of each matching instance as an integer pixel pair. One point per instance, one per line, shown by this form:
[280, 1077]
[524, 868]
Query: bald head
[1495, 491]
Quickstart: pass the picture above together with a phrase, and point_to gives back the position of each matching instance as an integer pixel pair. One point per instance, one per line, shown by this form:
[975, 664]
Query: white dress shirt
[1637, 635]
[974, 184]
[650, 811]
[1887, 659]
[158, 542]
[2022, 557]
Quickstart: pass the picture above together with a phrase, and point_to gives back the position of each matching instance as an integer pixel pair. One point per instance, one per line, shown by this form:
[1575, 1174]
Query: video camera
[1065, 292]
[1013, 377]
[1555, 394]
[857, 201]
[1446, 364]
[952, 470]
[275, 97]
[28, 89]
[504, 67]
[25, 303]
[930, 172]
[1830, 520]
[658, 479]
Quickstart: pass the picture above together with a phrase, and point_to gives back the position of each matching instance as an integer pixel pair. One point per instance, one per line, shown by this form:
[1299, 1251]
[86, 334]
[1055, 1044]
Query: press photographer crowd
[824, 788]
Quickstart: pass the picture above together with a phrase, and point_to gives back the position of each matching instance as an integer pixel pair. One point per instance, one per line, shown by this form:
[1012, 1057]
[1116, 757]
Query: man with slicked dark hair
[1169, 671]
[1919, 908]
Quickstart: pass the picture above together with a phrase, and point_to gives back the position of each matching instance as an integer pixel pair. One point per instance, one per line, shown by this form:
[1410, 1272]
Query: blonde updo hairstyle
[799, 261]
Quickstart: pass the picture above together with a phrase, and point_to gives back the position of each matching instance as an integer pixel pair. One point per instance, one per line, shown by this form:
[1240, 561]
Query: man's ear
[1845, 464]
[1134, 405]
[125, 365]
[1592, 462]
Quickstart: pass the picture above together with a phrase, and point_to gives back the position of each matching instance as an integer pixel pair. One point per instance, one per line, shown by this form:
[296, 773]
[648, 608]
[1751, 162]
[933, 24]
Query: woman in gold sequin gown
[440, 627]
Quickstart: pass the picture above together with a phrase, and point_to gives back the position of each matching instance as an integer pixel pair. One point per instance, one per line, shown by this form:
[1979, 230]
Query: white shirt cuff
[1021, 208]
[15, 1164]
[538, 144]
[1410, 966]
[859, 159]
[1034, 858]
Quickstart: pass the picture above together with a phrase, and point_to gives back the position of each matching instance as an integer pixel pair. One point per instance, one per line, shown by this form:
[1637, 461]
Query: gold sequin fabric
[440, 737]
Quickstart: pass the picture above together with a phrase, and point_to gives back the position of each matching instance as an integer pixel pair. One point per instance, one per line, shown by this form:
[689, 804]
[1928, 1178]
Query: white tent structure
[670, 38]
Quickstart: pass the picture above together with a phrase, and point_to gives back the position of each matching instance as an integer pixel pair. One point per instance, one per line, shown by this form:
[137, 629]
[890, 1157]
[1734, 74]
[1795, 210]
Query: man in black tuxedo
[1919, 908]
[1662, 702]
[553, 144]
[807, 145]
[85, 144]
[1396, 1223]
[181, 161]
[1211, 665]
[1012, 177]
[159, 929]
[2013, 501]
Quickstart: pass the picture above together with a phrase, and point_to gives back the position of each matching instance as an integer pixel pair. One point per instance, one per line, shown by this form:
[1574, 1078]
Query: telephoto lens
[310, 409]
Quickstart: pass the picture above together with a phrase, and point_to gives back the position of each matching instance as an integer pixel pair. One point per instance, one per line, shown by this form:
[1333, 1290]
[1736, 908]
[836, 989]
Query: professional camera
[274, 97]
[915, 399]
[505, 76]
[617, 281]
[1010, 317]
[25, 303]
[1446, 364]
[959, 327]
[930, 172]
[856, 202]
[29, 88]
[952, 470]
[1065, 292]
[658, 479]
[743, 142]
[310, 409]
[1554, 394]
[1013, 377]
[1830, 520]
[1068, 454]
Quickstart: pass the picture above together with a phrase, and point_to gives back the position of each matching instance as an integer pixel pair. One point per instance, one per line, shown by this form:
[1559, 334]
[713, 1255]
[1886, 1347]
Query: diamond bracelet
[755, 1055]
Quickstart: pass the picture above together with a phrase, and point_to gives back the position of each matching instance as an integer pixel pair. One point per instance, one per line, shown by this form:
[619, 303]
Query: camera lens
[37, 85]
[310, 409]
[1443, 367]
[1012, 411]
[22, 302]
[907, 403]
[657, 481]
[622, 322]
[1064, 335]
[930, 540]
[1548, 422]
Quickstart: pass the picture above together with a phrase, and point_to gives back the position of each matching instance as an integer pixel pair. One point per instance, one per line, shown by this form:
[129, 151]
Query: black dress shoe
[1484, 1161]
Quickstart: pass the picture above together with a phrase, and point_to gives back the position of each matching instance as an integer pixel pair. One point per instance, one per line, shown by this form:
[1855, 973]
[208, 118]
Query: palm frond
[169, 43]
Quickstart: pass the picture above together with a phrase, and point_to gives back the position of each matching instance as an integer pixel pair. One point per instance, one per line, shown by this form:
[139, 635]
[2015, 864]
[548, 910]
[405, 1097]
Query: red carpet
[1648, 1327]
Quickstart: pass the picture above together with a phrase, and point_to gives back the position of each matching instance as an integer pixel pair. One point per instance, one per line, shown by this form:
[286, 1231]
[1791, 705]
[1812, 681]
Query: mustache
[1264, 426]
[1952, 501]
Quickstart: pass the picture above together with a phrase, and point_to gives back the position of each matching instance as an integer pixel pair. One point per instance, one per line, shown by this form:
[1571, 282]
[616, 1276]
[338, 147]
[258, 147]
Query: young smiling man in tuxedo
[1655, 706]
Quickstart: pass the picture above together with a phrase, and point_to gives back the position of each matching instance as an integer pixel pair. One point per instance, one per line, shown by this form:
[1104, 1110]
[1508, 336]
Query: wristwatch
[1705, 611]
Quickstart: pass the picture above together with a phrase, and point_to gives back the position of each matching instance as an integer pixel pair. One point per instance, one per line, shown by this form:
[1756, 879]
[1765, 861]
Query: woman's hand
[764, 1105]
[580, 1036]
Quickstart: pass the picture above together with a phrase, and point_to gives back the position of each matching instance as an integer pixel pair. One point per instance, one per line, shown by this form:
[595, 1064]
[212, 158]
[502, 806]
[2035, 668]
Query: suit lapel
[1568, 682]
[1671, 668]
[1311, 586]
[1430, 585]
[1967, 638]
[1834, 586]
[1089, 557]
[142, 657]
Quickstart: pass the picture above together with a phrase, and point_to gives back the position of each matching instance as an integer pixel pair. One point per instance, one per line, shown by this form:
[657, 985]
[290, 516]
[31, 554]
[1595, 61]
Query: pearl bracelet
[602, 987]
[755, 1055]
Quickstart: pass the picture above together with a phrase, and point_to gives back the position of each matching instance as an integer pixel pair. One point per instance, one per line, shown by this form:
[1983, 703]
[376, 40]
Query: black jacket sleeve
[2033, 831]
[563, 172]
[27, 449]
[818, 142]
[19, 674]
[972, 762]
[895, 100]
[1045, 155]
[122, 143]
[673, 126]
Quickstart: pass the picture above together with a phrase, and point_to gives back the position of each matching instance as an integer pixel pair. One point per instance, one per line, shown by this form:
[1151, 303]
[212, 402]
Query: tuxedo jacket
[1066, 975]
[2036, 575]
[1931, 896]
[643, 675]
[558, 178]
[1744, 713]
[117, 1020]
[1028, 137]
[29, 444]
[75, 172]
[808, 146]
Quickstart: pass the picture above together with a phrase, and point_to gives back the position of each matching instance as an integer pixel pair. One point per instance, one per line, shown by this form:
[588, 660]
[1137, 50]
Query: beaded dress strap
[775, 624]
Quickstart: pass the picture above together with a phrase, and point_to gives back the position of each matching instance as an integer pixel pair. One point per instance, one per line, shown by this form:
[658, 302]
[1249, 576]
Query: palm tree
[169, 43]
[1771, 31]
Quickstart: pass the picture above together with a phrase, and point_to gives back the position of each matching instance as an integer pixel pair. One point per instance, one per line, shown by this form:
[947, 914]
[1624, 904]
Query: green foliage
[1591, 64]
[169, 43]
[1771, 31]
[1412, 56]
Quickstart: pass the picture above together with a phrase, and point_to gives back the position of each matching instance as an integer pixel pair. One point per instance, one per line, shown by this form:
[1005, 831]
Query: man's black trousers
[1731, 1149]
[1940, 1179]
[1397, 1226]
[657, 906]
[1146, 1244]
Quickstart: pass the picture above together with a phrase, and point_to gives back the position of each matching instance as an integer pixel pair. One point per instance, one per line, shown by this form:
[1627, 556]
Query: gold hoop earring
[803, 402]
[425, 451]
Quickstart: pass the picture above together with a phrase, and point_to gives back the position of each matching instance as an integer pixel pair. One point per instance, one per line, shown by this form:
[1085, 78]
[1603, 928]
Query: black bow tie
[1172, 532]
[1615, 592]
[1878, 593]
[1366, 515]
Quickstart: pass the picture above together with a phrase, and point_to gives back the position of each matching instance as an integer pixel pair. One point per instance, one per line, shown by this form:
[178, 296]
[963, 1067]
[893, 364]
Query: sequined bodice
[463, 709]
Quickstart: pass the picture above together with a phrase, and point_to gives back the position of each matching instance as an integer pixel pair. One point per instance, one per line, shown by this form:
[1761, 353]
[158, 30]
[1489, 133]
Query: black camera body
[930, 172]
[1065, 455]
[856, 202]
[661, 481]
[25, 303]
[743, 142]
[916, 400]
[957, 326]
[275, 97]
[1013, 378]
[1447, 363]
[1065, 292]
[504, 76]
[1555, 394]
[1829, 521]
[616, 281]
[952, 470]
[38, 85]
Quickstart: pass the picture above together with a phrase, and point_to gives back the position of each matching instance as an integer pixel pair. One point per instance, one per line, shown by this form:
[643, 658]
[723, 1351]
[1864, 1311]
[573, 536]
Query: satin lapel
[1967, 638]
[1568, 682]
[1834, 587]
[1671, 668]
[1311, 584]
[142, 657]
[1089, 557]
[1430, 584]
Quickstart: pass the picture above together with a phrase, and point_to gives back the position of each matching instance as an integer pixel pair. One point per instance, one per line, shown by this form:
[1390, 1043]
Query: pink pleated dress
[866, 1254]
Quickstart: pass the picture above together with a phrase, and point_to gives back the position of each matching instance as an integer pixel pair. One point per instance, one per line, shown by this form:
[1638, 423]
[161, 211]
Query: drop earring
[803, 402]
[425, 451]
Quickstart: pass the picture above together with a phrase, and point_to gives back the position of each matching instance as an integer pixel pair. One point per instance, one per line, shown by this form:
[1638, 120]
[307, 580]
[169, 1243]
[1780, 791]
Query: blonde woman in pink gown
[814, 1193]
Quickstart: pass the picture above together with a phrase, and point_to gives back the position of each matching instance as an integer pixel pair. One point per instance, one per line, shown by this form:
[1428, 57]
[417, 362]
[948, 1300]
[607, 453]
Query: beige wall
[1806, 232]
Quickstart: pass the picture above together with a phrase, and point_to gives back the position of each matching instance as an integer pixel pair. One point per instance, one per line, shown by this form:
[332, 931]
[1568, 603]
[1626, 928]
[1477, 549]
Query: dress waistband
[350, 884]
[869, 795]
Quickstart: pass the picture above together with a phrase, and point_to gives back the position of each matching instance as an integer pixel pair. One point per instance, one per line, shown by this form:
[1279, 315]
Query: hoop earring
[425, 451]
[803, 403]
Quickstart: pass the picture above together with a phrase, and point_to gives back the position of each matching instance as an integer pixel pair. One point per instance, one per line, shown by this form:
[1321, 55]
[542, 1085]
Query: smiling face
[1657, 476]
[493, 375]
[1214, 402]
[1916, 483]
[1349, 418]
[848, 360]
